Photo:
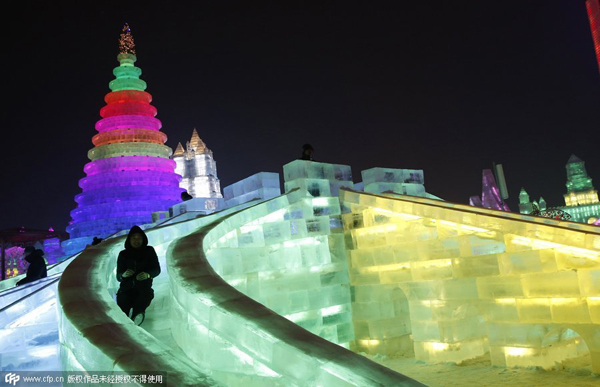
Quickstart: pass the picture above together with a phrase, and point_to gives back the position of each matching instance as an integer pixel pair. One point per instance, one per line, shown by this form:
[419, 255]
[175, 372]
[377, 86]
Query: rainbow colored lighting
[130, 174]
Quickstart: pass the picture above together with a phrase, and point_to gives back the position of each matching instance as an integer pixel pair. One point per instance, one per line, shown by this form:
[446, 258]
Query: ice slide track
[211, 320]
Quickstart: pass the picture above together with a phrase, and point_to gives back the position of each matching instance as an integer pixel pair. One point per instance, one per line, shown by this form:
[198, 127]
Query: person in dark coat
[96, 241]
[186, 196]
[307, 152]
[137, 265]
[37, 265]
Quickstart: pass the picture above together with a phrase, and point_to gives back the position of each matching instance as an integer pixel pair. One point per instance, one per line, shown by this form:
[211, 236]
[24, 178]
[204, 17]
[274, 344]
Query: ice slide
[199, 324]
[390, 273]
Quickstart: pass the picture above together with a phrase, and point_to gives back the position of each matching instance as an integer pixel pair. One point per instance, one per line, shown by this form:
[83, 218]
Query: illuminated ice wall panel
[400, 181]
[262, 185]
[317, 179]
[466, 281]
[130, 174]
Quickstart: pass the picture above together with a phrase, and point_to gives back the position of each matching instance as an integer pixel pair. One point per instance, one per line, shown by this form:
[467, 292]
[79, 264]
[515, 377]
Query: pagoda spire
[179, 151]
[196, 143]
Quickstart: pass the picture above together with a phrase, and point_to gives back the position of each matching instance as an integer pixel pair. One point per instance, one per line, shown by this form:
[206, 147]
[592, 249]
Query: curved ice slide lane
[28, 322]
[28, 329]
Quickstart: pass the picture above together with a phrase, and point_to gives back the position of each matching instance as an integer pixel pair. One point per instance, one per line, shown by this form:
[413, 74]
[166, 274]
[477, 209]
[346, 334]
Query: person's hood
[37, 253]
[136, 230]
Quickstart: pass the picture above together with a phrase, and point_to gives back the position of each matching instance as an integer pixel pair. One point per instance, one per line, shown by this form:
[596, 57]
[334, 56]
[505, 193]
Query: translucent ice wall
[130, 174]
[262, 185]
[271, 254]
[468, 281]
[400, 181]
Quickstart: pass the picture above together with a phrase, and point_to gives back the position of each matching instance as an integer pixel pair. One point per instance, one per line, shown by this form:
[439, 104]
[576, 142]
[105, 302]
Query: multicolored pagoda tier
[130, 174]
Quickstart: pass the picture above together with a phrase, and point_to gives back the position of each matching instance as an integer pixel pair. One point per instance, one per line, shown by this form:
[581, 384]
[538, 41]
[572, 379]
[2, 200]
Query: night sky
[445, 86]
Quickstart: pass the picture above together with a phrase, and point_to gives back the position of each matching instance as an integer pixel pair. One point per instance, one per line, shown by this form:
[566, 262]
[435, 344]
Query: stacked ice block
[400, 181]
[317, 179]
[473, 280]
[203, 206]
[261, 186]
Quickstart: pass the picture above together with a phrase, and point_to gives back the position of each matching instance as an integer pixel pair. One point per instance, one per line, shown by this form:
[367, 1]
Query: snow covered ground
[480, 372]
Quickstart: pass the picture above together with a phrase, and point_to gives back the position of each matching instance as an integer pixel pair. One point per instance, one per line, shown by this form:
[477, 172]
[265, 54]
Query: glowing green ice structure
[240, 340]
[232, 338]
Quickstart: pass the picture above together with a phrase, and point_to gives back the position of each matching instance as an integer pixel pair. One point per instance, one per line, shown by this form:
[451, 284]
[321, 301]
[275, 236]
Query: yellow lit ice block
[472, 276]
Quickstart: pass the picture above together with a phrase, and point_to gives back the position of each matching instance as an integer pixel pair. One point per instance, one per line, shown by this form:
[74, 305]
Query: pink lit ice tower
[130, 174]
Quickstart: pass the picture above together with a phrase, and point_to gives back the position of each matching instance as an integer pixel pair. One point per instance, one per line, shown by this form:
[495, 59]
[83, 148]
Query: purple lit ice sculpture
[490, 194]
[130, 175]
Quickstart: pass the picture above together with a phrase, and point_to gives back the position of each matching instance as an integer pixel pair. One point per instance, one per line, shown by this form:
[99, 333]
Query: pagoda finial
[126, 43]
[179, 151]
[196, 143]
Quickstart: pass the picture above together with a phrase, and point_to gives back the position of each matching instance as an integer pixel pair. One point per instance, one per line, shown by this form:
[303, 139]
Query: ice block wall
[317, 179]
[262, 185]
[130, 174]
[468, 281]
[400, 181]
[227, 331]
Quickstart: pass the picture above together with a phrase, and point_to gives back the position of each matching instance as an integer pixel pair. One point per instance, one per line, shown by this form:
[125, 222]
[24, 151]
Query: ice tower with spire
[197, 168]
[130, 174]
[581, 199]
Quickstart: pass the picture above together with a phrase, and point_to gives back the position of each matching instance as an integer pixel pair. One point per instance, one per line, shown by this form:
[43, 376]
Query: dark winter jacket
[37, 267]
[142, 259]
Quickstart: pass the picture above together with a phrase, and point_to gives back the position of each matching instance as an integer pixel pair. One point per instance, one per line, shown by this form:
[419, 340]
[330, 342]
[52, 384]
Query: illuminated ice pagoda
[581, 199]
[130, 174]
[198, 168]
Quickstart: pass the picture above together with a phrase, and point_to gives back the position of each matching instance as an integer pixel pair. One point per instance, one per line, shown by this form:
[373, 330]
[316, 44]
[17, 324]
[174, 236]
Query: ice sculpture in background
[262, 185]
[197, 168]
[490, 194]
[581, 200]
[130, 174]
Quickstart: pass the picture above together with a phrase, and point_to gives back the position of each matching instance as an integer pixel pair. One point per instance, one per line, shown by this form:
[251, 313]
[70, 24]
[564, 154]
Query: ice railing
[97, 336]
[241, 340]
[465, 281]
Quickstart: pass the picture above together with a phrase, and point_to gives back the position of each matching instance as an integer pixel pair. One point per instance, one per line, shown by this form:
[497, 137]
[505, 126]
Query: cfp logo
[11, 378]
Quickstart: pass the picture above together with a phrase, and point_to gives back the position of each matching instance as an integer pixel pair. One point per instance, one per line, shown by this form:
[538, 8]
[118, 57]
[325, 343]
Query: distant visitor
[96, 241]
[307, 152]
[186, 196]
[37, 265]
[137, 265]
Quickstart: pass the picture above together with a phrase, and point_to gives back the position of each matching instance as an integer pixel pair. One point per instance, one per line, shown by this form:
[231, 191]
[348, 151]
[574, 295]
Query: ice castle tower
[198, 168]
[130, 174]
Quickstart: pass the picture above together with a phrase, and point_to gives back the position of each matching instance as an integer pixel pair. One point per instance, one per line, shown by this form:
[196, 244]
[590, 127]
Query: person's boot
[138, 319]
